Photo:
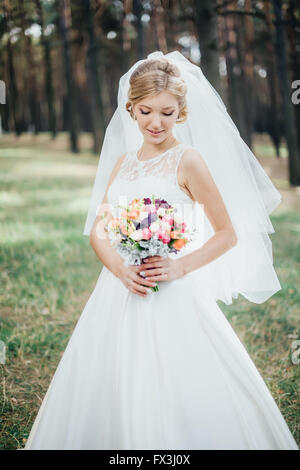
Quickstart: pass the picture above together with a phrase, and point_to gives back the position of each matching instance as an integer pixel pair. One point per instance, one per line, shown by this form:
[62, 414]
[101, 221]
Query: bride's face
[158, 114]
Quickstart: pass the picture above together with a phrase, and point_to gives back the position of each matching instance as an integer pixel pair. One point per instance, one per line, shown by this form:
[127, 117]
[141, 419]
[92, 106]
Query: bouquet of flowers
[148, 227]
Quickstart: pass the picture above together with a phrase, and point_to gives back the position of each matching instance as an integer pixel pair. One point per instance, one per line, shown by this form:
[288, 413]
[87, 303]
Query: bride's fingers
[132, 287]
[154, 272]
[139, 269]
[154, 258]
[149, 267]
[143, 281]
[138, 287]
[158, 275]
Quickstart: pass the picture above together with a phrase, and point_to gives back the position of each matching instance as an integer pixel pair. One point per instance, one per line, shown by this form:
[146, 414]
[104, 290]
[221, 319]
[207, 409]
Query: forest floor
[48, 271]
[277, 169]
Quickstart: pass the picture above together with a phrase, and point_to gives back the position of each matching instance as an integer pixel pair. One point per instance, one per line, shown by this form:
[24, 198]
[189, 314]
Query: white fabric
[162, 372]
[247, 191]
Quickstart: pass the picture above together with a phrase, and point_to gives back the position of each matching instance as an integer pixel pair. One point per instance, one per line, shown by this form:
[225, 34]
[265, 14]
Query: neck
[150, 149]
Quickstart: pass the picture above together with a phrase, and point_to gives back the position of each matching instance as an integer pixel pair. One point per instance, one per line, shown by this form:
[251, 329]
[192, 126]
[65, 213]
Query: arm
[199, 182]
[99, 239]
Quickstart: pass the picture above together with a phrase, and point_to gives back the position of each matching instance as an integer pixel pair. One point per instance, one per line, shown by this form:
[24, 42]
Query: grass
[48, 271]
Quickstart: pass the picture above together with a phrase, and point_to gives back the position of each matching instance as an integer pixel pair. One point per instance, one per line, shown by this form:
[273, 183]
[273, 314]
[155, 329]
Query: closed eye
[165, 114]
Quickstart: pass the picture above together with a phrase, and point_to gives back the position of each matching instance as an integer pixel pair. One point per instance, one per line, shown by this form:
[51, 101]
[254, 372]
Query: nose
[156, 122]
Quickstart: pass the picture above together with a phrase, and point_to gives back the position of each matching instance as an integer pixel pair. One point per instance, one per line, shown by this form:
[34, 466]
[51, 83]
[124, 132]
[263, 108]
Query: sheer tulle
[247, 191]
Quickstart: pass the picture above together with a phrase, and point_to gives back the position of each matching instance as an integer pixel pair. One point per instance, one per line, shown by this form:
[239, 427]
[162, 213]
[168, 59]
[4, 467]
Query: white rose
[165, 226]
[137, 235]
[161, 211]
[154, 227]
[142, 216]
[178, 218]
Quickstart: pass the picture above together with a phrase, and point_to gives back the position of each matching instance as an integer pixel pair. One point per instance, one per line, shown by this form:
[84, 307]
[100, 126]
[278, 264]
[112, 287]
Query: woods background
[61, 61]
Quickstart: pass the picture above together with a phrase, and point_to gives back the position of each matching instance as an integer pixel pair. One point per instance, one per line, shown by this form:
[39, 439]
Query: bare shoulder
[201, 185]
[193, 164]
[190, 164]
[191, 158]
[196, 176]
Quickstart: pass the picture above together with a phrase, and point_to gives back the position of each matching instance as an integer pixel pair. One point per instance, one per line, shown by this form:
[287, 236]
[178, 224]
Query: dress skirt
[162, 372]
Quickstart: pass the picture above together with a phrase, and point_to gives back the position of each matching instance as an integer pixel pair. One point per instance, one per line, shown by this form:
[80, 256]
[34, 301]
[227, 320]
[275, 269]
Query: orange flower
[123, 230]
[134, 214]
[174, 234]
[114, 223]
[178, 244]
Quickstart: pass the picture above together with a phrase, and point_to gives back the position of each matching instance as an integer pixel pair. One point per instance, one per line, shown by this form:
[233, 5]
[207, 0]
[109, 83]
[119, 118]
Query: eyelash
[163, 113]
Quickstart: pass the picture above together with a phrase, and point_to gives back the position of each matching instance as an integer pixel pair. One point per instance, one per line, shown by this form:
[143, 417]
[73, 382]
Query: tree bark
[65, 25]
[288, 109]
[207, 29]
[292, 28]
[49, 89]
[98, 119]
[233, 74]
[274, 131]
[13, 95]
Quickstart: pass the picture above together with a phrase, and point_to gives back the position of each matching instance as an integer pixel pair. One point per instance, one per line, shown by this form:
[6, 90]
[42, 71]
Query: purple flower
[147, 201]
[147, 221]
[161, 203]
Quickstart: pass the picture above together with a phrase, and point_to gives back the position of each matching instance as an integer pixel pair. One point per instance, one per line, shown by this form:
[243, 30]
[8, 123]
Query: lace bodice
[157, 176]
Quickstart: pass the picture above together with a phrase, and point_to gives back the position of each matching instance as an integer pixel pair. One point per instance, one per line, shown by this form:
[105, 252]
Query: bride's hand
[159, 268]
[134, 282]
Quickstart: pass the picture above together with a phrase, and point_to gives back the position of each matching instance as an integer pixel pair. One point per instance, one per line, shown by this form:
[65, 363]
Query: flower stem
[155, 288]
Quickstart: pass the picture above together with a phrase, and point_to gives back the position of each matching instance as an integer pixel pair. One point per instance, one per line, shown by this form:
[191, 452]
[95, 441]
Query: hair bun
[165, 66]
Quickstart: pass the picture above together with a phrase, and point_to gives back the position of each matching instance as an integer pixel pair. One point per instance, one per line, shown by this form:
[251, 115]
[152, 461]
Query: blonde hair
[154, 76]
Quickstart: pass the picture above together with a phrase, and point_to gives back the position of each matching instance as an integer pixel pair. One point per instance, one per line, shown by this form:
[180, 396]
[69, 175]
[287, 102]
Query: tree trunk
[173, 25]
[12, 90]
[274, 131]
[65, 25]
[292, 28]
[248, 68]
[49, 89]
[159, 16]
[207, 29]
[288, 109]
[30, 76]
[233, 74]
[137, 10]
[98, 120]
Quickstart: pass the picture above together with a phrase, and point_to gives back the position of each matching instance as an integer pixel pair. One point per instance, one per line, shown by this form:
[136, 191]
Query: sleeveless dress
[166, 371]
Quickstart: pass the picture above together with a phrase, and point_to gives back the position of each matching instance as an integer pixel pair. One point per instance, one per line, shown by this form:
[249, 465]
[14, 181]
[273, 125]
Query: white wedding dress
[162, 372]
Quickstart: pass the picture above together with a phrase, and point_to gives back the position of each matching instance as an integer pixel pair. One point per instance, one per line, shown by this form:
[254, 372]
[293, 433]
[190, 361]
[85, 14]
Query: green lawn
[48, 271]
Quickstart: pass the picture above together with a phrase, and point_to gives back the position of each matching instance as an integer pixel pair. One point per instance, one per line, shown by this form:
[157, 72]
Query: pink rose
[159, 234]
[169, 220]
[146, 233]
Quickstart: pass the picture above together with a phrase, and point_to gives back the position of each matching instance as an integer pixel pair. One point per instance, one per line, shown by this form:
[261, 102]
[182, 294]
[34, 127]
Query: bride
[164, 369]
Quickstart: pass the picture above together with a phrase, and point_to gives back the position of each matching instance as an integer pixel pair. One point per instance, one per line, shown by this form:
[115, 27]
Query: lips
[154, 132]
